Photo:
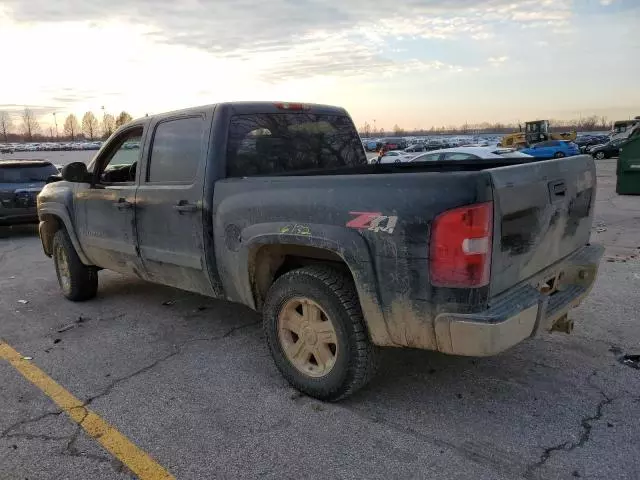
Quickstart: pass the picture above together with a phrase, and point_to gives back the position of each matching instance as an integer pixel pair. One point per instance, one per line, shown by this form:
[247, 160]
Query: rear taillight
[460, 249]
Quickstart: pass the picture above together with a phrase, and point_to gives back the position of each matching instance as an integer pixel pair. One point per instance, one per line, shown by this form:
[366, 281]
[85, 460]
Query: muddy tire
[77, 281]
[316, 333]
[600, 155]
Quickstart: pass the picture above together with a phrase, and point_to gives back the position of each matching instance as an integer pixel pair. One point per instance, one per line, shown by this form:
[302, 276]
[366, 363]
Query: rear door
[543, 213]
[169, 213]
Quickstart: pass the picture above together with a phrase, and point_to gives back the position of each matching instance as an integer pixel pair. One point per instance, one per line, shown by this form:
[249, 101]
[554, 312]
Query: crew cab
[273, 205]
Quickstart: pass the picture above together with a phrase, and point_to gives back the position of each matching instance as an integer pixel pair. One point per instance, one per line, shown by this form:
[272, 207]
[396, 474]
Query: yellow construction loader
[534, 132]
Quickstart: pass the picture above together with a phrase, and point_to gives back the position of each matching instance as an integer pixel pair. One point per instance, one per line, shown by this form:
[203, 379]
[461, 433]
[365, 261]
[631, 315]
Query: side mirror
[75, 172]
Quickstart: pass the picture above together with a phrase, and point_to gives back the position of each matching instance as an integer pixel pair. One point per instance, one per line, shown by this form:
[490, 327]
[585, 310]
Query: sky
[414, 63]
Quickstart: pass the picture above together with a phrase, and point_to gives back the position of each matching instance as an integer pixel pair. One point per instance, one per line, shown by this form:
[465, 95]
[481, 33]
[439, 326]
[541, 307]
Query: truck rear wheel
[77, 281]
[316, 333]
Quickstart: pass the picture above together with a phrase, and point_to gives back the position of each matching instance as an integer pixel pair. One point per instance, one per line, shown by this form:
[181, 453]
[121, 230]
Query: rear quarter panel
[339, 213]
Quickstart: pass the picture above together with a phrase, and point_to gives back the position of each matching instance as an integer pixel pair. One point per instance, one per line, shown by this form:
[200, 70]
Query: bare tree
[397, 130]
[123, 119]
[108, 125]
[30, 124]
[71, 126]
[89, 125]
[366, 129]
[5, 125]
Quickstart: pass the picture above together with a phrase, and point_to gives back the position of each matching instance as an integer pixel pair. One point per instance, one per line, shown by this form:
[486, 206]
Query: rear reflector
[460, 248]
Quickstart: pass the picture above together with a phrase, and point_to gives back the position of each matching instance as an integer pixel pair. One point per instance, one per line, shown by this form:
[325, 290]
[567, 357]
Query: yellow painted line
[138, 461]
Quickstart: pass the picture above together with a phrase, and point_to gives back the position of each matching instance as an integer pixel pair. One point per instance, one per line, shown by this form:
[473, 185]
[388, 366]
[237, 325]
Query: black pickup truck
[274, 206]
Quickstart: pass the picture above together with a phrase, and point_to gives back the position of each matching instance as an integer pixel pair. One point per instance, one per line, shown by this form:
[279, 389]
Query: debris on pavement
[27, 358]
[67, 327]
[601, 229]
[23, 302]
[75, 324]
[632, 361]
[168, 303]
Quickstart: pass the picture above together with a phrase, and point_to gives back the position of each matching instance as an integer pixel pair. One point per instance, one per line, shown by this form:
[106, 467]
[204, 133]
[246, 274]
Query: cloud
[497, 61]
[303, 37]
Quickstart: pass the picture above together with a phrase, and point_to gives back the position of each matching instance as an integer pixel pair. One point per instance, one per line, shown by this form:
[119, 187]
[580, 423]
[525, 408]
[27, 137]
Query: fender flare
[60, 212]
[347, 244]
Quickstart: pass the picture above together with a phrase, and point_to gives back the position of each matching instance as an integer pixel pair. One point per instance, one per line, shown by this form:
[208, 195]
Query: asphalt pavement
[190, 382]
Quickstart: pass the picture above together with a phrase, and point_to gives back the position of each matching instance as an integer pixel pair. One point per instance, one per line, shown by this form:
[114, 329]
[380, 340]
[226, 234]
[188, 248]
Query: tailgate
[542, 213]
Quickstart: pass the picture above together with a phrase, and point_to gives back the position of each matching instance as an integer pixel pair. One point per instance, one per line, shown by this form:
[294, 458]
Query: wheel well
[49, 225]
[269, 262]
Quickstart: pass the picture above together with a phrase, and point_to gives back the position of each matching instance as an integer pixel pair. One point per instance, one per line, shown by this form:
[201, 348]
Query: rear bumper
[521, 312]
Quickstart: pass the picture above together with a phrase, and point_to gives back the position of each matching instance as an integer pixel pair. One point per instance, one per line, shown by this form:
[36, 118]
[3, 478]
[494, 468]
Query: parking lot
[186, 385]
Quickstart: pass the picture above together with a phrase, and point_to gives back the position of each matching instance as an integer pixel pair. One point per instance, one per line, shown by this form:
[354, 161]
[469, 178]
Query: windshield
[26, 173]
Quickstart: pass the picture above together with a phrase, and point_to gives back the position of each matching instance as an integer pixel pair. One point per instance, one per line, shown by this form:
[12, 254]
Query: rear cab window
[280, 143]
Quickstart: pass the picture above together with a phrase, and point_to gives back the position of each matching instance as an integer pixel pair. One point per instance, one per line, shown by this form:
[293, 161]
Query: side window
[430, 157]
[460, 156]
[176, 152]
[121, 161]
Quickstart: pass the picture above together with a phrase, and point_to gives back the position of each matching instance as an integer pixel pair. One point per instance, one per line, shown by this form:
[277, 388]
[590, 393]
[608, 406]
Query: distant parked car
[552, 149]
[608, 150]
[6, 149]
[370, 145]
[585, 142]
[470, 153]
[393, 156]
[20, 183]
[417, 147]
[395, 143]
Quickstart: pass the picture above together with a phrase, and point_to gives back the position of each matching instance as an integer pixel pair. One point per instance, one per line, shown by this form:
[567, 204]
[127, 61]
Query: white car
[469, 153]
[394, 156]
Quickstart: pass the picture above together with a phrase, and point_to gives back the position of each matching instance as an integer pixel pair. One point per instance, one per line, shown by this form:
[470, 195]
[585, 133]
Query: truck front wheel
[77, 281]
[316, 333]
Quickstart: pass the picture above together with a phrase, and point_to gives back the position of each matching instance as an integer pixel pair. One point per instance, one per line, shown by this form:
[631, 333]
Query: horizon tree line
[28, 127]
[584, 124]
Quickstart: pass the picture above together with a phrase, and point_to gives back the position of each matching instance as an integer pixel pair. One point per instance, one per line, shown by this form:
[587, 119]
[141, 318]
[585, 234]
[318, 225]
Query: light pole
[55, 120]
[104, 123]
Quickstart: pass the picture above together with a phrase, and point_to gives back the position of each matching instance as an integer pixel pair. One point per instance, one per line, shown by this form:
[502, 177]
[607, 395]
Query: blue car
[552, 149]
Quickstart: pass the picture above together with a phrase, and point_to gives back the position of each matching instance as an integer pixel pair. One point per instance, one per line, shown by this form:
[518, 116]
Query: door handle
[122, 204]
[185, 207]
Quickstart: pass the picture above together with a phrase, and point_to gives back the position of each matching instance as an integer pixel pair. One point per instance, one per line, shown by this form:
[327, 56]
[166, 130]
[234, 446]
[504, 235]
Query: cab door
[169, 203]
[105, 209]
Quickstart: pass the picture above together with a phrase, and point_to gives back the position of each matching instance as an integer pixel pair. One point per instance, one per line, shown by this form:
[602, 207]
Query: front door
[105, 211]
[169, 204]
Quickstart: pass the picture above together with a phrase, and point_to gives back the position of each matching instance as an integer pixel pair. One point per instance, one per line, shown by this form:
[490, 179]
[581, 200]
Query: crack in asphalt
[6, 432]
[4, 253]
[70, 448]
[586, 426]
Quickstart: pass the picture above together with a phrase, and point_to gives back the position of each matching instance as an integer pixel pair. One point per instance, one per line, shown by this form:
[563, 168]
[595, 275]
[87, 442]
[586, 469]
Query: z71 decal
[373, 222]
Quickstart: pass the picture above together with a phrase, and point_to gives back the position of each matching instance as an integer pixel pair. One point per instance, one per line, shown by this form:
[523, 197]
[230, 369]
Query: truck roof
[240, 108]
